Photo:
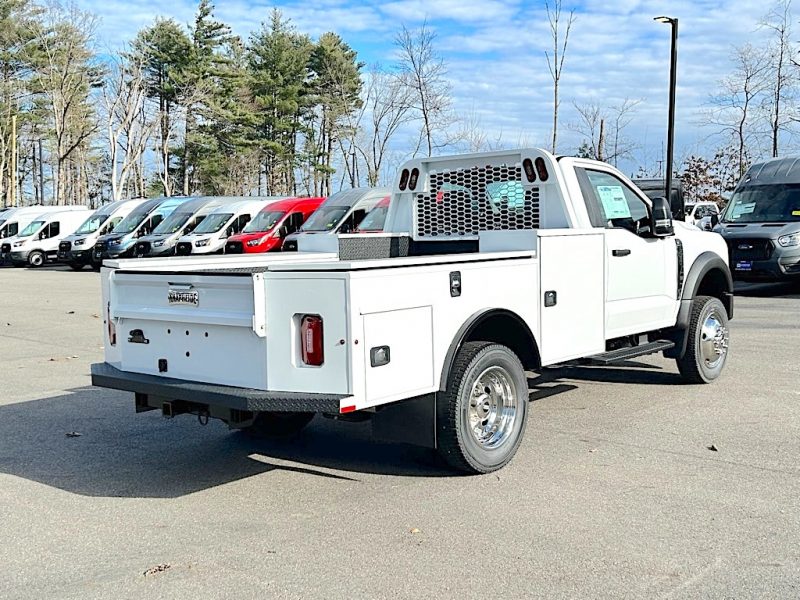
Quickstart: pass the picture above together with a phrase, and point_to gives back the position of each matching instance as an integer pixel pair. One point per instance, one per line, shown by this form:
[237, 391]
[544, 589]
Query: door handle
[623, 252]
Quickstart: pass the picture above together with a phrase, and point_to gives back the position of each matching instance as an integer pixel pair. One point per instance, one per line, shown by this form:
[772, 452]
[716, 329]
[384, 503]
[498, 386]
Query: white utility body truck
[490, 265]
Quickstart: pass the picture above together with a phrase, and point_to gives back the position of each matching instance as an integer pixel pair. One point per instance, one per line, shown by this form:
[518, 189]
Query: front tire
[481, 415]
[707, 341]
[76, 266]
[278, 425]
[36, 259]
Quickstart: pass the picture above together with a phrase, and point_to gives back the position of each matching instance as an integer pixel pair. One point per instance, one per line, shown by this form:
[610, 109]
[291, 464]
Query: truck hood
[771, 231]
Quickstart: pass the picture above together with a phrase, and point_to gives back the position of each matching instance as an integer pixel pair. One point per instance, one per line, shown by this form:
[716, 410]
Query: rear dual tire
[481, 416]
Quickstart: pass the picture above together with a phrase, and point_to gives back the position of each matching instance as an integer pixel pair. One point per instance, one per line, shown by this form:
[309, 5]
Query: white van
[38, 242]
[340, 213]
[14, 220]
[76, 249]
[212, 233]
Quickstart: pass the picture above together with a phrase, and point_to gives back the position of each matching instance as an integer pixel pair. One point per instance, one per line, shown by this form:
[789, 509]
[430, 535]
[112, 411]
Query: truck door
[641, 270]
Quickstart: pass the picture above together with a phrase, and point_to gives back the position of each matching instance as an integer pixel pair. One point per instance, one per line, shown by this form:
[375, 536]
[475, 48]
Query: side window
[242, 222]
[50, 231]
[611, 203]
[294, 221]
[356, 218]
[193, 223]
[110, 225]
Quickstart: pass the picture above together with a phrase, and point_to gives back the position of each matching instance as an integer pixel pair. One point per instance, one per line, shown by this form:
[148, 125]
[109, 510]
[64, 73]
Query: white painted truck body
[534, 252]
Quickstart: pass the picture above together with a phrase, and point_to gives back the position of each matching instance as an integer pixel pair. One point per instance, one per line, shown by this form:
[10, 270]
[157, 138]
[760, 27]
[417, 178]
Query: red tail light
[112, 329]
[311, 344]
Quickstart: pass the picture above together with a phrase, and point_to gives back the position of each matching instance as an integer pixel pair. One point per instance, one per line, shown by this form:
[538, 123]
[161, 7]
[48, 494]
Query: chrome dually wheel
[481, 416]
[492, 409]
[707, 341]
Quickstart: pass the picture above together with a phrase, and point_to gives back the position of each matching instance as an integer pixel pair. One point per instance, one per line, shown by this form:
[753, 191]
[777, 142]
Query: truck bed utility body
[490, 263]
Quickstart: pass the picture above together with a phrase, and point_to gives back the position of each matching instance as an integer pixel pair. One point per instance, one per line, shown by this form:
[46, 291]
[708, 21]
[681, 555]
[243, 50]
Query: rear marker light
[347, 409]
[311, 340]
[527, 166]
[412, 182]
[541, 168]
[403, 179]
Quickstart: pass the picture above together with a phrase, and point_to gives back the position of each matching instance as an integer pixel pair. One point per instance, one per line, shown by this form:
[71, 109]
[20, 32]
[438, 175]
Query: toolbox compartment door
[407, 337]
[572, 303]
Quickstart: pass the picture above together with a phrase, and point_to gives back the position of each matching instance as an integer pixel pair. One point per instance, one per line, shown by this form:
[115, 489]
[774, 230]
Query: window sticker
[796, 213]
[614, 204]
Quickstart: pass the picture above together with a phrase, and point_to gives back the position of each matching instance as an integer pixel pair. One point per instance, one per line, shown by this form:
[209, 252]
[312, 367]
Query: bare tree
[423, 71]
[555, 62]
[65, 76]
[621, 116]
[388, 105]
[128, 125]
[779, 21]
[474, 138]
[733, 108]
[591, 126]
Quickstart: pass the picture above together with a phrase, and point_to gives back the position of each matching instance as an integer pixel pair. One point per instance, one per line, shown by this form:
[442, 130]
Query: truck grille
[749, 249]
[234, 248]
[5, 248]
[184, 249]
[142, 248]
[463, 202]
[65, 246]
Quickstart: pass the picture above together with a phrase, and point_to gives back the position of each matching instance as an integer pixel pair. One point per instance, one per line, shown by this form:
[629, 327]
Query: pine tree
[335, 87]
[278, 65]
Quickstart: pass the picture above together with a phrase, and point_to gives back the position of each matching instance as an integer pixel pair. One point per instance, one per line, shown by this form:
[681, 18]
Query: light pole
[673, 75]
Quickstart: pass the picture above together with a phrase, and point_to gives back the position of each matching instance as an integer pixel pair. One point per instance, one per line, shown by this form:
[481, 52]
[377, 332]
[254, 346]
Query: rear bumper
[244, 399]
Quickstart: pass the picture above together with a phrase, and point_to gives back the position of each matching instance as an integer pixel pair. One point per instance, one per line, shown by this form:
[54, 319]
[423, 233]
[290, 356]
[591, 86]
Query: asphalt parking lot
[615, 491]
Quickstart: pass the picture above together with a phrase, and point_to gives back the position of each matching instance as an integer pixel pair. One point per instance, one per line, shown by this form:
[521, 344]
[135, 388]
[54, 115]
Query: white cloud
[495, 52]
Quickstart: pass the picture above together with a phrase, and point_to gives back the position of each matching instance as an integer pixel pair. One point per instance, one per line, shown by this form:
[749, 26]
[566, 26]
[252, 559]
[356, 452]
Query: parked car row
[141, 228]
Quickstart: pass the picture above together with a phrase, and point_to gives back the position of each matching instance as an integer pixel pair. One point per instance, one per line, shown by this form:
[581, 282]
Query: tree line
[195, 109]
[198, 110]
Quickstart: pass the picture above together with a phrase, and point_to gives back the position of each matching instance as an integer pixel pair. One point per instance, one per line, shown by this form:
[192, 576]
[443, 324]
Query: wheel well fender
[494, 325]
[709, 275]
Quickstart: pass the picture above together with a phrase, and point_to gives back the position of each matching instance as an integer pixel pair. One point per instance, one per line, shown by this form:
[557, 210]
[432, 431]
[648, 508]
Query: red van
[277, 220]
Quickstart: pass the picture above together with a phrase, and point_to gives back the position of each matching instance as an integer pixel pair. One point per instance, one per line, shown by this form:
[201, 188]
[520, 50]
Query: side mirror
[661, 218]
[283, 231]
[714, 220]
[345, 228]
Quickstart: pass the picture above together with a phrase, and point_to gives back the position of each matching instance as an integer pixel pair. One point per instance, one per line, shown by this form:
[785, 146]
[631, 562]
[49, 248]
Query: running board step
[607, 358]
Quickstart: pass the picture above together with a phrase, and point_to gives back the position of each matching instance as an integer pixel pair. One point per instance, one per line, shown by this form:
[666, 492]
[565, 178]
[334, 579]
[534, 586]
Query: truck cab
[340, 213]
[266, 232]
[77, 250]
[38, 242]
[489, 265]
[761, 222]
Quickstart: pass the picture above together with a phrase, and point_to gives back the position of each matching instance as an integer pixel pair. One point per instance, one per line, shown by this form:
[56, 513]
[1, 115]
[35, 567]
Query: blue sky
[495, 54]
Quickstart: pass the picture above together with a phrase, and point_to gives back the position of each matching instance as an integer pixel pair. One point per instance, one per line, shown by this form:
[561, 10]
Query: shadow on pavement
[120, 454]
[768, 290]
[630, 372]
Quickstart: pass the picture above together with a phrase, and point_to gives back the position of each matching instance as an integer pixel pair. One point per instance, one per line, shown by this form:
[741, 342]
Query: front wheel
[36, 259]
[278, 425]
[76, 266]
[482, 413]
[707, 341]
